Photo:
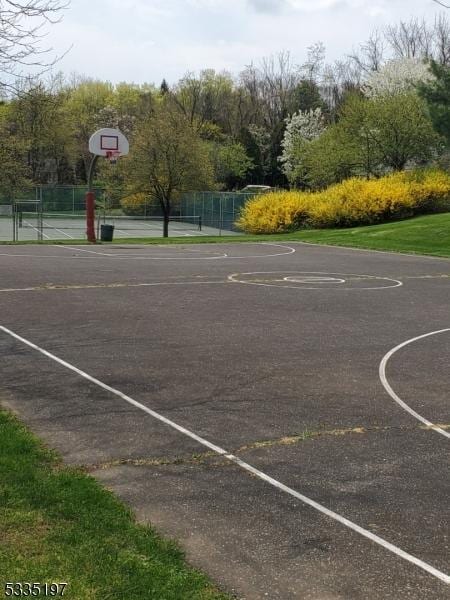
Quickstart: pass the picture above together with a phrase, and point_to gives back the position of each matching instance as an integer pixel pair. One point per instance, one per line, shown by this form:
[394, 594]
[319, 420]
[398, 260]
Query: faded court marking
[96, 286]
[315, 280]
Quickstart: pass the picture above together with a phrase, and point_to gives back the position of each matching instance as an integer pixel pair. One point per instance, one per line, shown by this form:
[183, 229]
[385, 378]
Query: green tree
[263, 149]
[168, 157]
[306, 96]
[391, 130]
[37, 117]
[207, 98]
[437, 95]
[332, 157]
[373, 136]
[14, 172]
[231, 163]
[133, 101]
[86, 99]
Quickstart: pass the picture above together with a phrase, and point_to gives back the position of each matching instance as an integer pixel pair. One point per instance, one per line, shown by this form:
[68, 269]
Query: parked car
[256, 189]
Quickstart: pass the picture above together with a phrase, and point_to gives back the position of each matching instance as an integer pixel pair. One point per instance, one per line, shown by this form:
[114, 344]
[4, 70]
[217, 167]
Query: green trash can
[106, 233]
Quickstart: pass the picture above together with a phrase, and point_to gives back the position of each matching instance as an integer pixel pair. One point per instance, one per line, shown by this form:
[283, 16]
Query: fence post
[40, 221]
[14, 222]
[234, 216]
[203, 205]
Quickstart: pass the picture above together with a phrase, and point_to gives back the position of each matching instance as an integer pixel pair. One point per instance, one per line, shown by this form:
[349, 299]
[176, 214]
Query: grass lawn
[59, 525]
[422, 235]
[428, 234]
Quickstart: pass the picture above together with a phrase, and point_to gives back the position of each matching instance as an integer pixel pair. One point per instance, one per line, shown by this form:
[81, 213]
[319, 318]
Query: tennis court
[280, 409]
[53, 226]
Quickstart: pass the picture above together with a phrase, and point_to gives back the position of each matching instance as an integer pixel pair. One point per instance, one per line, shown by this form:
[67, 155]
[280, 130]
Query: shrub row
[350, 203]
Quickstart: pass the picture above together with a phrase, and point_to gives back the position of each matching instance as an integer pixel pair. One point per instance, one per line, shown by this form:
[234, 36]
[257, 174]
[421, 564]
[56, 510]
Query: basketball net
[112, 156]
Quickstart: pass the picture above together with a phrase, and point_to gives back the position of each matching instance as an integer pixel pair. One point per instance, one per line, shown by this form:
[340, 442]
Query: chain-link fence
[216, 209]
[70, 199]
[22, 217]
[60, 207]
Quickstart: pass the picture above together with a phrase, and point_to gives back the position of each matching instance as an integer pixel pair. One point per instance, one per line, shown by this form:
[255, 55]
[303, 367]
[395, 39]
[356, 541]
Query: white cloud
[315, 5]
[365, 6]
[146, 40]
[268, 6]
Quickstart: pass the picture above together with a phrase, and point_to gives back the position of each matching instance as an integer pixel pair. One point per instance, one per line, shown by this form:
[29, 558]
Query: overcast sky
[146, 40]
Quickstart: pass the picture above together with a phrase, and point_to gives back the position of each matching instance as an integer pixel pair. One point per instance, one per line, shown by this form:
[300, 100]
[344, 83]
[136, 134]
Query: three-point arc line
[393, 395]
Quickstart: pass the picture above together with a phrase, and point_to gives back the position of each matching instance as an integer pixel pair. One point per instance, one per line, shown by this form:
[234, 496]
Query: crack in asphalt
[203, 457]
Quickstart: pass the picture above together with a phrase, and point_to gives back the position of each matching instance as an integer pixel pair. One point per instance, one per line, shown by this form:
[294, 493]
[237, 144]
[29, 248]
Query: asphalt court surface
[270, 352]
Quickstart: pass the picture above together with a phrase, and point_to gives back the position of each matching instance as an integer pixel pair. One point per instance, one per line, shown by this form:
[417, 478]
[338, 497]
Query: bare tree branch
[441, 3]
[408, 39]
[22, 29]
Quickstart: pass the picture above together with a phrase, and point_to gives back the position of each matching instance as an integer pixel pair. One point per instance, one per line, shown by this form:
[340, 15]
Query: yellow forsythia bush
[352, 202]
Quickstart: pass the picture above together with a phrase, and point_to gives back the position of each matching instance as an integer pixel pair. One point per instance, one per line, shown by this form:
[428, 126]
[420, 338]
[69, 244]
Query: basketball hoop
[111, 144]
[112, 156]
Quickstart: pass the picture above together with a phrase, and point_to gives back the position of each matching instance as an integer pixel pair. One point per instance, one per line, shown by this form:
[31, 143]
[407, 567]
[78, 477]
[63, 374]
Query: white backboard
[106, 141]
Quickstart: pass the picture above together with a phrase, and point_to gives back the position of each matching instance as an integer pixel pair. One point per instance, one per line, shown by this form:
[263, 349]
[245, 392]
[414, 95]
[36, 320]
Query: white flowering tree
[301, 128]
[397, 76]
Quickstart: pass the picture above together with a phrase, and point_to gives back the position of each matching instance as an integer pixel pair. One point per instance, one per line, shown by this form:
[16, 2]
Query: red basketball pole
[90, 217]
[90, 204]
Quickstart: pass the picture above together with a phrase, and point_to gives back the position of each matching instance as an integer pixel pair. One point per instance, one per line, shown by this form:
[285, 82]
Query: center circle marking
[312, 279]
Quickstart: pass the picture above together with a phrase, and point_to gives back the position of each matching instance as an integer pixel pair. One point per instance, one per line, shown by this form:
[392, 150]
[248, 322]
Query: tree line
[276, 123]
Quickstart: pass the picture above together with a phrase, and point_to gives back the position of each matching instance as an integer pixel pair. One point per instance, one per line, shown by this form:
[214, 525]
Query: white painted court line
[156, 230]
[103, 286]
[32, 227]
[311, 279]
[89, 253]
[92, 255]
[443, 276]
[337, 246]
[234, 279]
[393, 395]
[195, 233]
[245, 466]
[221, 256]
[122, 231]
[50, 256]
[121, 256]
[60, 230]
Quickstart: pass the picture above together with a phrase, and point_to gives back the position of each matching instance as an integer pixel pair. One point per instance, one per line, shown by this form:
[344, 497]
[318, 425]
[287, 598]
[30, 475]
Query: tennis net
[61, 221]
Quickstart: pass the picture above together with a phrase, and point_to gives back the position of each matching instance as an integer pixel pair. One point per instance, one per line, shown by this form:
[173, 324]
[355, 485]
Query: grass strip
[428, 235]
[59, 525]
